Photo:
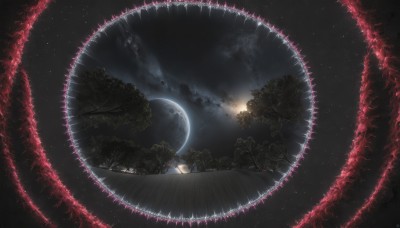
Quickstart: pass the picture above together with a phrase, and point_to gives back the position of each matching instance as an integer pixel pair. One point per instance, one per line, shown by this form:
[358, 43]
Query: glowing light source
[183, 169]
[240, 107]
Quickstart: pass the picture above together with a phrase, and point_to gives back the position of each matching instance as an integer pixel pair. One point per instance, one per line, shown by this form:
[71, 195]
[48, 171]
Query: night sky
[206, 64]
[225, 67]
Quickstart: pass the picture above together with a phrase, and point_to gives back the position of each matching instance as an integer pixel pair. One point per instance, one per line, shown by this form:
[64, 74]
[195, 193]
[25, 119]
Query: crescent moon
[185, 116]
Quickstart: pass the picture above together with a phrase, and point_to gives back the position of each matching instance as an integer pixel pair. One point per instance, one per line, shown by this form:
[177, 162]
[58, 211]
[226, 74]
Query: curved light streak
[389, 65]
[11, 63]
[210, 6]
[355, 159]
[49, 176]
[187, 120]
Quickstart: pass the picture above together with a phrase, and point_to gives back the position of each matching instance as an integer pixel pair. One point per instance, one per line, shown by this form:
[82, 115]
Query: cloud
[241, 48]
[208, 74]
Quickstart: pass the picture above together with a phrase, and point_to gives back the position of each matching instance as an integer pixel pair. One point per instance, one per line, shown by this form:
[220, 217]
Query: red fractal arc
[379, 52]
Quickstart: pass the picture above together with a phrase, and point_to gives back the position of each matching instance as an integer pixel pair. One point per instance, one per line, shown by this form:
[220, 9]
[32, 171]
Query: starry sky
[328, 38]
[207, 64]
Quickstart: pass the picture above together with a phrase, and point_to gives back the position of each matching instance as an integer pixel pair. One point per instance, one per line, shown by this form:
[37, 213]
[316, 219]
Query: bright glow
[236, 107]
[183, 169]
[240, 108]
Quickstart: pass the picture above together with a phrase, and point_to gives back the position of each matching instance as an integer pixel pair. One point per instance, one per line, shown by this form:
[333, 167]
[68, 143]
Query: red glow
[349, 172]
[43, 167]
[316, 216]
[45, 171]
[10, 66]
[387, 63]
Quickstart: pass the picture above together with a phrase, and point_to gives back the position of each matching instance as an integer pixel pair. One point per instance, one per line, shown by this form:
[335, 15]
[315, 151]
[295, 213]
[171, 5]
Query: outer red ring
[374, 40]
[47, 174]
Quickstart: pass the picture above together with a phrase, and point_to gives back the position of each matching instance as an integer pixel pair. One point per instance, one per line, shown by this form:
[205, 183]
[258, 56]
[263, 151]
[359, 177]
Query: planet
[169, 123]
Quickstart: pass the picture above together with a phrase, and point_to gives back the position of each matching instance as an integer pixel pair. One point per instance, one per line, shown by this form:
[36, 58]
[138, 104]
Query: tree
[277, 102]
[268, 155]
[161, 154]
[245, 153]
[204, 160]
[190, 158]
[224, 163]
[111, 152]
[245, 118]
[271, 155]
[201, 159]
[103, 99]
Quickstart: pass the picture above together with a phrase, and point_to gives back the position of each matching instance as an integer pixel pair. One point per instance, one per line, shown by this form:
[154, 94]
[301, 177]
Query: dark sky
[207, 64]
[334, 49]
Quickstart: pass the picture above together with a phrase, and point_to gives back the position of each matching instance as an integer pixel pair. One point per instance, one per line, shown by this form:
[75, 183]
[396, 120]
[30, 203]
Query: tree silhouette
[245, 153]
[271, 154]
[103, 99]
[201, 159]
[268, 155]
[190, 158]
[160, 155]
[111, 152]
[277, 102]
[223, 163]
